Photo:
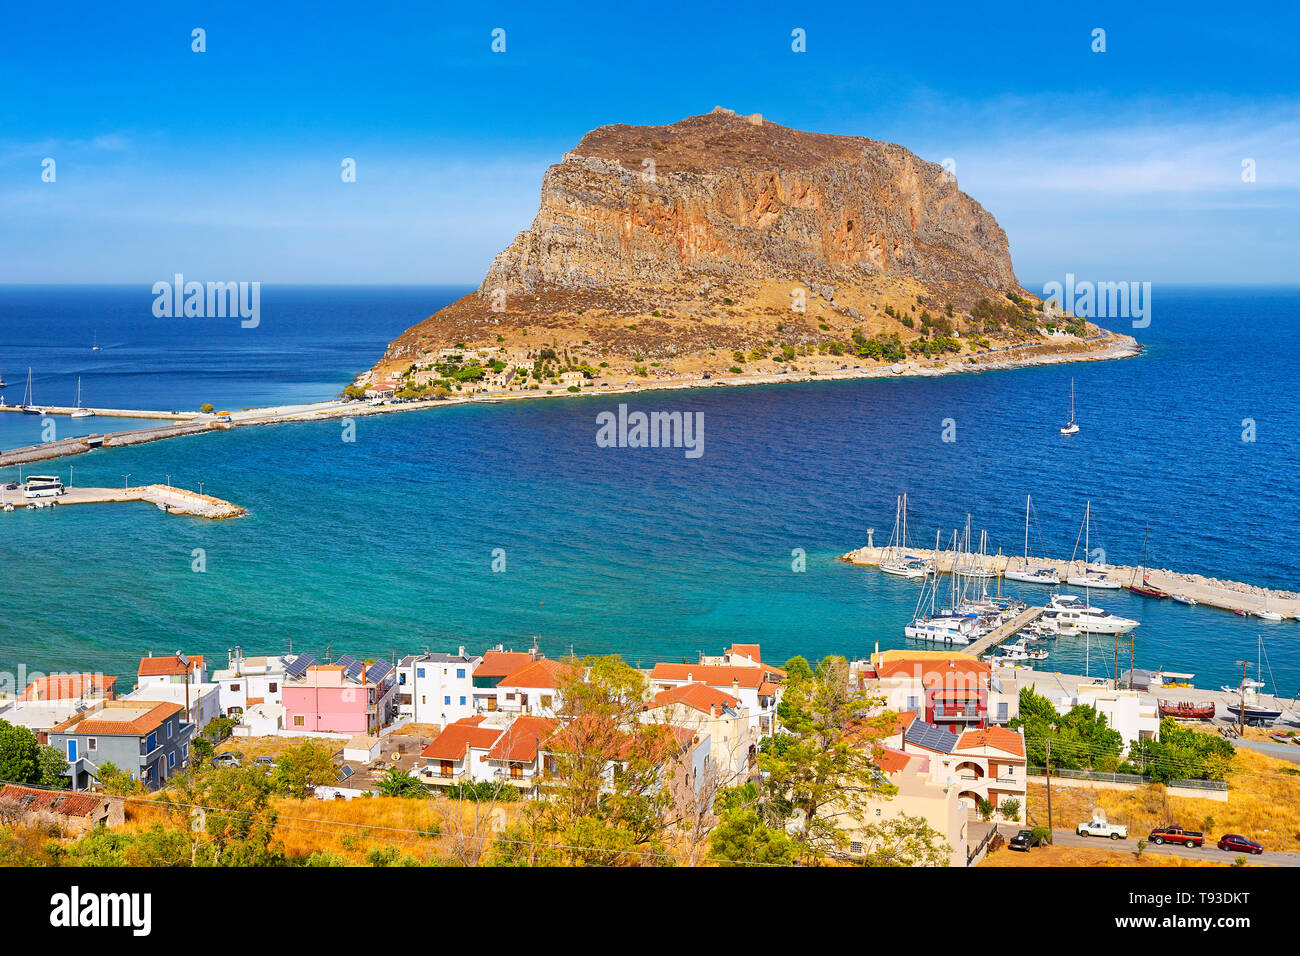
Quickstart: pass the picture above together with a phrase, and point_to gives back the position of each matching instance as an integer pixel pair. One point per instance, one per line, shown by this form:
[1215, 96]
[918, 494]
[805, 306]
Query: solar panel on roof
[932, 737]
[378, 670]
[351, 666]
[298, 666]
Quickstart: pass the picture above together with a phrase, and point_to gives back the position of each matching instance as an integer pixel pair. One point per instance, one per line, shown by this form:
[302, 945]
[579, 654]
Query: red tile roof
[542, 674]
[502, 663]
[715, 675]
[457, 738]
[892, 761]
[69, 687]
[697, 696]
[999, 738]
[60, 802]
[99, 721]
[520, 741]
[169, 665]
[932, 671]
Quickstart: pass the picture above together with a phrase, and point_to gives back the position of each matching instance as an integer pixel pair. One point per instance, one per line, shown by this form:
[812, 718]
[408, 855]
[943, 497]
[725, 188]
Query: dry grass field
[1087, 856]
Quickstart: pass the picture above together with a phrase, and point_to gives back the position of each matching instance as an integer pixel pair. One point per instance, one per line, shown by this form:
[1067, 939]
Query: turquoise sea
[386, 545]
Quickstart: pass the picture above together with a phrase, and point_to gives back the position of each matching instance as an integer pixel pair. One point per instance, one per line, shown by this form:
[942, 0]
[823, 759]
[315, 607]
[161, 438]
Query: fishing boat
[1186, 710]
[1091, 577]
[27, 408]
[895, 560]
[1146, 588]
[1072, 427]
[1251, 707]
[1019, 650]
[1031, 575]
[80, 412]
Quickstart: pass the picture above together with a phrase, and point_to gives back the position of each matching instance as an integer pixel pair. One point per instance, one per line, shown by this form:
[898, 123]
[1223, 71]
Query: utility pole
[1047, 767]
[1241, 714]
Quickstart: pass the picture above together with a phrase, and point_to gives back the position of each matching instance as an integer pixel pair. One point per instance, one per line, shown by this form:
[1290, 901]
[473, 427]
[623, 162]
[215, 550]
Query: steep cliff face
[724, 247]
[730, 197]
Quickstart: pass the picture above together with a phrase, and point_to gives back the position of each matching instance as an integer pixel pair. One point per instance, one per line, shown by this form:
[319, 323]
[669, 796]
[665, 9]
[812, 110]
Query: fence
[974, 853]
[1129, 778]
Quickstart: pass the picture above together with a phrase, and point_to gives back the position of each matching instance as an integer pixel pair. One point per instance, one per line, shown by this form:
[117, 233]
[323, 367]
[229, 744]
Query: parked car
[1024, 840]
[1100, 828]
[1239, 844]
[11, 486]
[1176, 834]
[227, 758]
[264, 761]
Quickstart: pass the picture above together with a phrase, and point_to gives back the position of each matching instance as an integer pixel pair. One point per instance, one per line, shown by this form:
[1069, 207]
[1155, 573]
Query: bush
[208, 408]
[1010, 809]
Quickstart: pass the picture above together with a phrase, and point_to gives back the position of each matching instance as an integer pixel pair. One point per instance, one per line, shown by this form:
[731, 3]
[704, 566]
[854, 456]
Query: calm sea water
[386, 544]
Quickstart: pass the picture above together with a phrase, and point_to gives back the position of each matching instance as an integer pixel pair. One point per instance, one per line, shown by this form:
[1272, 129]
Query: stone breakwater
[173, 500]
[1212, 592]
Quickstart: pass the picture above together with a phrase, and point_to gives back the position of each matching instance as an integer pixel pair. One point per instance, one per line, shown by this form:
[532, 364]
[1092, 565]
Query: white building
[1126, 711]
[248, 681]
[436, 688]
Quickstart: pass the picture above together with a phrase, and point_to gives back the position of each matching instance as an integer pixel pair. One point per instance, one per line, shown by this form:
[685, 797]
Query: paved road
[1208, 852]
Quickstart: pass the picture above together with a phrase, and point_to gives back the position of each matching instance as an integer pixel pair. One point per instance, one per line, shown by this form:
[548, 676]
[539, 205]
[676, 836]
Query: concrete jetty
[110, 412]
[1211, 592]
[169, 498]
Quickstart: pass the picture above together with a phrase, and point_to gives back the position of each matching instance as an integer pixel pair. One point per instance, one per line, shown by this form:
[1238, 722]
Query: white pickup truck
[1100, 828]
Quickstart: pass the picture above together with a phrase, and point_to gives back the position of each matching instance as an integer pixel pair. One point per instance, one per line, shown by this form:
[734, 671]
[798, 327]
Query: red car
[1235, 841]
[1176, 834]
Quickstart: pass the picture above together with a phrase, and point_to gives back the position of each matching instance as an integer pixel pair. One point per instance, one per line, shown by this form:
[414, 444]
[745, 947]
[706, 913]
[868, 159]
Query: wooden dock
[168, 498]
[1211, 592]
[1003, 632]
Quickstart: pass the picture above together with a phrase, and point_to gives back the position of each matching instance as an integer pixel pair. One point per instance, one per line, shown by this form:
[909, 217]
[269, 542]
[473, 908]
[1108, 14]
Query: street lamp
[126, 480]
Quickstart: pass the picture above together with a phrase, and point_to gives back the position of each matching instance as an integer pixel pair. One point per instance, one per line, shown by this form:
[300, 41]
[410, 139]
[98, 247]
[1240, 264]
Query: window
[169, 730]
[446, 700]
[151, 742]
[460, 673]
[299, 720]
[419, 672]
[462, 702]
[272, 687]
[171, 760]
[92, 744]
[234, 688]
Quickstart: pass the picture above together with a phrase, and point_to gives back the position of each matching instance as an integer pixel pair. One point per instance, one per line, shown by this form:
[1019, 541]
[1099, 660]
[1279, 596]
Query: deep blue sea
[386, 545]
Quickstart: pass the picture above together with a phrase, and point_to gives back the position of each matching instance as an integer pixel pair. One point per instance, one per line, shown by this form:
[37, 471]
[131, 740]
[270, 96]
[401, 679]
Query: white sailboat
[896, 560]
[1072, 428]
[1091, 577]
[3, 383]
[80, 412]
[1031, 575]
[95, 342]
[27, 407]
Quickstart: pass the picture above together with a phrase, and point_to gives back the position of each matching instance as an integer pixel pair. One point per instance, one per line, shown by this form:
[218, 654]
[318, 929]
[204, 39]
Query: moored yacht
[80, 412]
[1066, 612]
[1031, 575]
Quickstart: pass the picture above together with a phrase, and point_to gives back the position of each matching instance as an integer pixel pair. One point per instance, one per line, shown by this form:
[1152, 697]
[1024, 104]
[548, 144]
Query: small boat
[81, 412]
[1268, 615]
[1072, 427]
[3, 383]
[1240, 612]
[1184, 599]
[95, 346]
[1186, 710]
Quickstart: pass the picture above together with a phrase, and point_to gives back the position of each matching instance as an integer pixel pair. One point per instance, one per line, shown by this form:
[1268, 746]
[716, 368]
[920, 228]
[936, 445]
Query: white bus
[43, 486]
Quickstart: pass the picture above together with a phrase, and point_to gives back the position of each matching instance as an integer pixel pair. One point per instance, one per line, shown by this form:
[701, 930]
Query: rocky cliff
[726, 247]
[736, 197]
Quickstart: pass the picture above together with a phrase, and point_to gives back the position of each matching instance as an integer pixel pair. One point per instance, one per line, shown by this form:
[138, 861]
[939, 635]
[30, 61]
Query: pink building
[346, 697]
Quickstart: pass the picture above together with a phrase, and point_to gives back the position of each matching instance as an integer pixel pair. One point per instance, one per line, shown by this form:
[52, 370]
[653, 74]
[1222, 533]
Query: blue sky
[1123, 165]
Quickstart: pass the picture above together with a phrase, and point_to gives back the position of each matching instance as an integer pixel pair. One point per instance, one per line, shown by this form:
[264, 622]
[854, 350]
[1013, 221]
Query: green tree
[19, 754]
[226, 815]
[742, 837]
[51, 768]
[820, 766]
[155, 846]
[118, 782]
[399, 783]
[300, 770]
[207, 408]
[904, 841]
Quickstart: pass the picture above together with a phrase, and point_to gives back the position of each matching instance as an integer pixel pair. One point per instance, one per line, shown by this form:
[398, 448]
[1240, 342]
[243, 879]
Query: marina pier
[168, 498]
[1211, 592]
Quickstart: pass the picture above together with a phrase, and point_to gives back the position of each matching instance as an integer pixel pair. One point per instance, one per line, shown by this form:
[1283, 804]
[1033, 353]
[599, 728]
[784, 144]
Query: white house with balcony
[1135, 717]
[986, 764]
[436, 688]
